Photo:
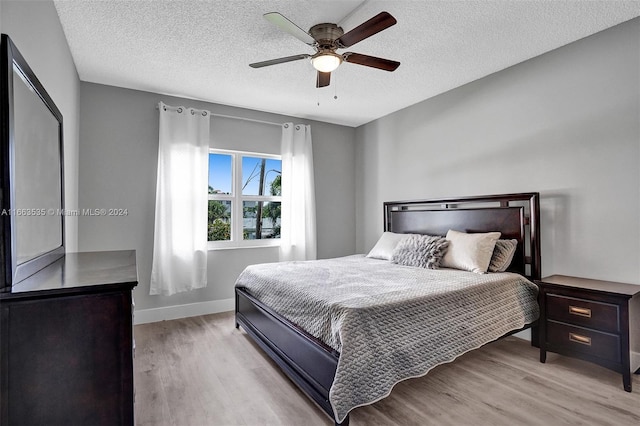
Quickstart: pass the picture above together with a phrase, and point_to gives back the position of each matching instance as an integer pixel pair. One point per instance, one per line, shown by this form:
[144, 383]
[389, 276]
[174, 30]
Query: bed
[339, 357]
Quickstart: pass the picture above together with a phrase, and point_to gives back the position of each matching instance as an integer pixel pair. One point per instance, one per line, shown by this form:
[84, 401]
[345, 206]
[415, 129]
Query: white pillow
[385, 245]
[470, 252]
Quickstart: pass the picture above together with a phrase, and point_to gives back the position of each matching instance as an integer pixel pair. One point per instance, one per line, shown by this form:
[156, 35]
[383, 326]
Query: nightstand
[597, 321]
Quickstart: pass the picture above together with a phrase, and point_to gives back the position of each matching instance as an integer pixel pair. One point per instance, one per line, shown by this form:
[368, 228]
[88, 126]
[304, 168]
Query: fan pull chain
[335, 86]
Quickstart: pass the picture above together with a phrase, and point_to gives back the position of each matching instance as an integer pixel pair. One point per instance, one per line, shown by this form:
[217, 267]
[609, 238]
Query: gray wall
[35, 29]
[118, 163]
[565, 124]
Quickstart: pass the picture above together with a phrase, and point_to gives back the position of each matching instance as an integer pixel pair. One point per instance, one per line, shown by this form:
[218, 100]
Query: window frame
[236, 198]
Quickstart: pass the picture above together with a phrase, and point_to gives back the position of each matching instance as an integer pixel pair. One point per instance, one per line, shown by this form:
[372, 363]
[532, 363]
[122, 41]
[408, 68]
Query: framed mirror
[31, 157]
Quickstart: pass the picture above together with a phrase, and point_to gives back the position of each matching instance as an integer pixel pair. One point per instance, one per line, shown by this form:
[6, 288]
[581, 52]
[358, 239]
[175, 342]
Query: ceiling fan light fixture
[326, 61]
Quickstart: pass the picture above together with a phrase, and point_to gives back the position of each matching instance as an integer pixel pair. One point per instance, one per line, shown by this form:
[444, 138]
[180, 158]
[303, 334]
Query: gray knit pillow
[423, 251]
[502, 255]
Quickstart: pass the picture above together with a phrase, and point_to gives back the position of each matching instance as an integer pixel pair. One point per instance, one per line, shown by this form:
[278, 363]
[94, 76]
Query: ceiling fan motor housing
[326, 35]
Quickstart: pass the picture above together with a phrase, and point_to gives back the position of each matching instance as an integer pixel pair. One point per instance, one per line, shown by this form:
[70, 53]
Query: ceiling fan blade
[279, 61]
[323, 79]
[380, 22]
[286, 25]
[370, 61]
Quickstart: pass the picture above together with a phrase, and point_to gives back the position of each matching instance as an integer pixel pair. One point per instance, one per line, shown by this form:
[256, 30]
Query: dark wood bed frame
[311, 364]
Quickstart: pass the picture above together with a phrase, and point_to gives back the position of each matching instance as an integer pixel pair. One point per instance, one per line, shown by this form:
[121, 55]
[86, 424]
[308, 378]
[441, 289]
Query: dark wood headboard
[516, 216]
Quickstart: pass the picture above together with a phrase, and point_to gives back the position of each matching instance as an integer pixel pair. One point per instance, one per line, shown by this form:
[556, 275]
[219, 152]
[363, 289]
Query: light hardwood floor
[202, 371]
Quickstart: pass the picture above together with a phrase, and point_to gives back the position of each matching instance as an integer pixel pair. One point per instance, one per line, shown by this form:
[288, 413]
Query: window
[244, 199]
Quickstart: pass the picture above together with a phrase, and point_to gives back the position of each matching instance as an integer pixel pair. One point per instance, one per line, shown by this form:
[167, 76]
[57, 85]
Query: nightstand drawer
[577, 339]
[598, 315]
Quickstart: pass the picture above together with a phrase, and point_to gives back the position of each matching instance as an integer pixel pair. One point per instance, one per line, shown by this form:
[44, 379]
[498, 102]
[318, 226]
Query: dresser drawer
[585, 313]
[589, 342]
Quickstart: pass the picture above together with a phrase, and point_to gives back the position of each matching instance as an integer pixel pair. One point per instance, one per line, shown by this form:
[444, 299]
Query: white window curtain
[180, 238]
[298, 233]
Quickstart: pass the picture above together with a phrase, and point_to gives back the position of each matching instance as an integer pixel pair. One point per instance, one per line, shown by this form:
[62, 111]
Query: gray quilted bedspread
[390, 322]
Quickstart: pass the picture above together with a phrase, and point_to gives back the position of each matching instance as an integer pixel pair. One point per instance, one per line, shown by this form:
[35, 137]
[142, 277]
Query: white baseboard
[524, 334]
[143, 316]
[635, 361]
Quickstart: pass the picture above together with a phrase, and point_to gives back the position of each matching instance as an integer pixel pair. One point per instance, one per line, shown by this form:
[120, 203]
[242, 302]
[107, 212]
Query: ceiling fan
[326, 39]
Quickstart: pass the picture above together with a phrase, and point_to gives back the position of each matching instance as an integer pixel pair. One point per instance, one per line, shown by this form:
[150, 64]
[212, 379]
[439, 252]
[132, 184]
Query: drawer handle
[580, 339]
[583, 312]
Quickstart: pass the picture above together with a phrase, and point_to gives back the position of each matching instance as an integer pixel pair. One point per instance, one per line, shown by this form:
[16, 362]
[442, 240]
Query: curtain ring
[179, 110]
[285, 125]
[204, 113]
[298, 127]
[164, 107]
[193, 111]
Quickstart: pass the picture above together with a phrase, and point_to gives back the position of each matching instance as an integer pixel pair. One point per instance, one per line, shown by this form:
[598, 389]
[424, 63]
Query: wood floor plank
[202, 371]
[147, 367]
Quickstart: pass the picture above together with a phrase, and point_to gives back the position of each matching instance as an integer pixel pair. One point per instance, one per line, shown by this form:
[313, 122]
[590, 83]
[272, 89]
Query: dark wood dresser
[66, 343]
[597, 321]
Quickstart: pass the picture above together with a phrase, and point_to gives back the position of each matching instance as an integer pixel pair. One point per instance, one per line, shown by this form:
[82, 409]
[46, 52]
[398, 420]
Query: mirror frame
[11, 272]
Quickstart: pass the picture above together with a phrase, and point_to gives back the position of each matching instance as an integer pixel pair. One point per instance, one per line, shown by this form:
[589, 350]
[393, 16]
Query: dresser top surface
[593, 285]
[79, 271]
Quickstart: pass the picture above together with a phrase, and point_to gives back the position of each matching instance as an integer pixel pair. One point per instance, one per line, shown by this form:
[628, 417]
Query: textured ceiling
[202, 49]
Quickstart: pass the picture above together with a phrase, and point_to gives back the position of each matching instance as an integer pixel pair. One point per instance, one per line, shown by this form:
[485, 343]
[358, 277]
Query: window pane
[220, 173]
[219, 220]
[257, 170]
[268, 227]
